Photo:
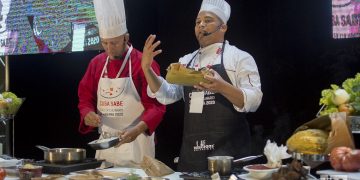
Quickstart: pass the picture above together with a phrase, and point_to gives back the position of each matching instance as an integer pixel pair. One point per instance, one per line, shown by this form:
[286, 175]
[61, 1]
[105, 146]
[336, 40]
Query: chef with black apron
[214, 120]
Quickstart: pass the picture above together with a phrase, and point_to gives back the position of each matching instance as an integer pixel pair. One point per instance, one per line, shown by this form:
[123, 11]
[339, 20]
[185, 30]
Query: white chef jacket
[239, 65]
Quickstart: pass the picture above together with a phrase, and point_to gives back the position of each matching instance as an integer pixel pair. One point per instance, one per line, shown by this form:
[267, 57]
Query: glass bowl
[27, 172]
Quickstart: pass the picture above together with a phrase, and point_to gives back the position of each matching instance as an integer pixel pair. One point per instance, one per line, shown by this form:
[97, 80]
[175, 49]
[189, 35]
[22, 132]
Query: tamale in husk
[154, 167]
[178, 74]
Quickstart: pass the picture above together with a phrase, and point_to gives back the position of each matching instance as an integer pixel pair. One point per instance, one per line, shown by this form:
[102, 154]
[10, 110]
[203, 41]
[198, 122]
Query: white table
[337, 175]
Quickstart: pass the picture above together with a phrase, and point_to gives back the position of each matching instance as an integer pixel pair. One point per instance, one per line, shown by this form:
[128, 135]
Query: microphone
[209, 33]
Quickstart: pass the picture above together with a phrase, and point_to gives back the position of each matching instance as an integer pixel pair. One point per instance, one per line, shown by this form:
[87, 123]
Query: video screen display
[345, 18]
[47, 26]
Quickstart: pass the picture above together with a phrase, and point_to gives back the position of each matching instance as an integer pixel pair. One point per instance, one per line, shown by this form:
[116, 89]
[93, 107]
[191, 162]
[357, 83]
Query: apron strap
[125, 61]
[104, 68]
[122, 66]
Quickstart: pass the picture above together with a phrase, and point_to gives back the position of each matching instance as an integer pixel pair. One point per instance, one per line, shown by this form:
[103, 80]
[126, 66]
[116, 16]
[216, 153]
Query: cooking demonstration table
[140, 172]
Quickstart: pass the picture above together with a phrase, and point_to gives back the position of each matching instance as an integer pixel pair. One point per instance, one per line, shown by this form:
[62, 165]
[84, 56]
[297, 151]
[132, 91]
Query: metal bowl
[312, 160]
[104, 143]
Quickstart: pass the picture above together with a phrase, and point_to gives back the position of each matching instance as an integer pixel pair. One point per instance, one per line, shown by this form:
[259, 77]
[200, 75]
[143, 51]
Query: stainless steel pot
[63, 155]
[224, 164]
[220, 164]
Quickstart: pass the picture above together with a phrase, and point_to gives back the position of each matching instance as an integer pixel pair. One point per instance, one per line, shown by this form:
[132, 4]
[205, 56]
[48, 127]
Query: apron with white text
[218, 130]
[120, 107]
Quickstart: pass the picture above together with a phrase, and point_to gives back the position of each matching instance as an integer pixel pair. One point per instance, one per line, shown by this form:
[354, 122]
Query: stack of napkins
[275, 154]
[9, 162]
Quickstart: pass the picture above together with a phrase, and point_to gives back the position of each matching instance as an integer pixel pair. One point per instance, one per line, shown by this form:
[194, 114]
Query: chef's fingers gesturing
[215, 84]
[92, 119]
[149, 51]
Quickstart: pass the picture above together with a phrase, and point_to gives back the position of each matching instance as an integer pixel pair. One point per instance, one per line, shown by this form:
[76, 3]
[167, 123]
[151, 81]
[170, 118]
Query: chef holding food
[112, 93]
[214, 120]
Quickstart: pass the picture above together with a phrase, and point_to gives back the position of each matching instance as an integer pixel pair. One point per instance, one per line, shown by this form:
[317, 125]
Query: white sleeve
[168, 93]
[248, 80]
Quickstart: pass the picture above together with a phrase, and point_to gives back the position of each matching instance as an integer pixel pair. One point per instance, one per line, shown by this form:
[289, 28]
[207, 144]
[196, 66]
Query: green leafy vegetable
[352, 87]
[10, 103]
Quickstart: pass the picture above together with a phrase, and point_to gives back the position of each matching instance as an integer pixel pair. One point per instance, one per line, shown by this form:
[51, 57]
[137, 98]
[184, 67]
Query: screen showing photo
[345, 18]
[47, 26]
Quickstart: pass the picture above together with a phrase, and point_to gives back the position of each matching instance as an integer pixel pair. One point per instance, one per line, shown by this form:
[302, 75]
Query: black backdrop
[290, 41]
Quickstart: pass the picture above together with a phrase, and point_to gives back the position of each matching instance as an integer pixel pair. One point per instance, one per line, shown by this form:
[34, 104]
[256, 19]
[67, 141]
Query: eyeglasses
[117, 43]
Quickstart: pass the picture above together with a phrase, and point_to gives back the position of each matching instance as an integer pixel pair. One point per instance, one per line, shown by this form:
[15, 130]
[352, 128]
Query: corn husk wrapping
[154, 167]
[178, 74]
[321, 135]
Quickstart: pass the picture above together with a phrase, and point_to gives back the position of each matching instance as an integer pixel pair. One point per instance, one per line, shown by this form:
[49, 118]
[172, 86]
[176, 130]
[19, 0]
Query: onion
[340, 96]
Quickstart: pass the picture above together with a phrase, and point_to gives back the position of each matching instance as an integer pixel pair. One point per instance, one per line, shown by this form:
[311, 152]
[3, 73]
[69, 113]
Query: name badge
[197, 102]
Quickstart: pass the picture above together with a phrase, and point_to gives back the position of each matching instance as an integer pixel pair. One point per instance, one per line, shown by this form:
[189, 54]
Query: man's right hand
[149, 52]
[147, 58]
[92, 119]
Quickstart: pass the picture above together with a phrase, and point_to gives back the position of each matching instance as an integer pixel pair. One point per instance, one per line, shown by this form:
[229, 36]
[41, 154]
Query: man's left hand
[216, 82]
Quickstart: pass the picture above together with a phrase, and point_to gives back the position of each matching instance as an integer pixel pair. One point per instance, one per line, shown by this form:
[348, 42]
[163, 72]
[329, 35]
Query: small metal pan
[100, 144]
[223, 164]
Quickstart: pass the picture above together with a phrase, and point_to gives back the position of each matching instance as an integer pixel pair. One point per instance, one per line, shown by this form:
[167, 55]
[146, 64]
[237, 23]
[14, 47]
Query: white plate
[260, 173]
[246, 177]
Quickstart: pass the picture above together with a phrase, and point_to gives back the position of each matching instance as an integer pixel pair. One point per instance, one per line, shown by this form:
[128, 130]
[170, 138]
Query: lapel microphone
[209, 33]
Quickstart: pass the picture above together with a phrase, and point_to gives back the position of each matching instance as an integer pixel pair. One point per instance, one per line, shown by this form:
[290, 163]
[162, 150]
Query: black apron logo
[203, 146]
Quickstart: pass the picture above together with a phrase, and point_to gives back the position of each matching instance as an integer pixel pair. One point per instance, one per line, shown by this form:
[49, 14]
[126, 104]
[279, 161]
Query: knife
[247, 158]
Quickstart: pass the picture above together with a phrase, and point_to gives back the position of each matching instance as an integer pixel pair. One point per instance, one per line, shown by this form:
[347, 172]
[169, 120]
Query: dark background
[291, 42]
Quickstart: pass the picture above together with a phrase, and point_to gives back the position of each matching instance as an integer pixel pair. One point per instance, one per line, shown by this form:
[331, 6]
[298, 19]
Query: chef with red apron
[112, 93]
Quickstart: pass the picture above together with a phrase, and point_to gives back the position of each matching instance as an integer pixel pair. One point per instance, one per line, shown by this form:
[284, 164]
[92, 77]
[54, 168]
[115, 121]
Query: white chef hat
[219, 7]
[110, 15]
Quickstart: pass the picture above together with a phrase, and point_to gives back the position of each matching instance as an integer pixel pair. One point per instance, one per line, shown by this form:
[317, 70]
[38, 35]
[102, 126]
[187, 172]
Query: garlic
[340, 96]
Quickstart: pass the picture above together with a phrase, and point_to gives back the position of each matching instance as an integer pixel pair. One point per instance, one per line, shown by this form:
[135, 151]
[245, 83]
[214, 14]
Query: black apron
[218, 130]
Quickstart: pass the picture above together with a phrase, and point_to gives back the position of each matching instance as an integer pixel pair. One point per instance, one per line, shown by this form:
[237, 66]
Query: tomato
[2, 174]
[347, 108]
[345, 159]
[351, 161]
[336, 157]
